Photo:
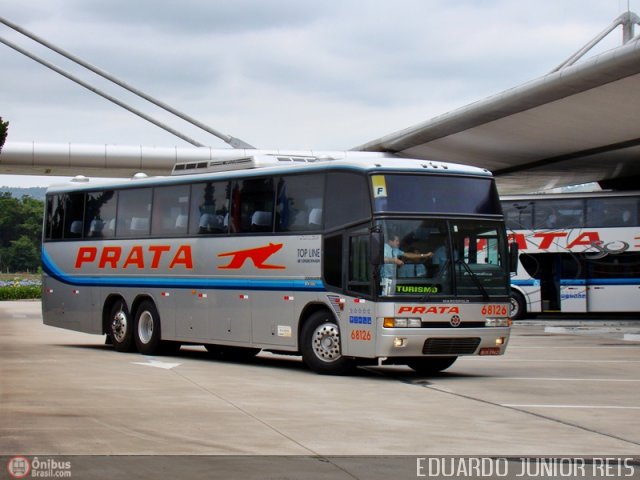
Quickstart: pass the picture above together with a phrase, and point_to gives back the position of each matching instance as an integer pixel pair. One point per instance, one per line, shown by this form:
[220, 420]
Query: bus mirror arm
[376, 242]
[513, 257]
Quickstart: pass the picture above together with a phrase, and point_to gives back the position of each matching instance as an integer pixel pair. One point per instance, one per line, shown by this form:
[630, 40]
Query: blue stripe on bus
[602, 281]
[526, 283]
[178, 282]
[581, 281]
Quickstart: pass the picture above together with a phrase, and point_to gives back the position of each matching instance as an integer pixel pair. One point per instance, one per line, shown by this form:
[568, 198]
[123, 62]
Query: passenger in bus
[395, 258]
[416, 269]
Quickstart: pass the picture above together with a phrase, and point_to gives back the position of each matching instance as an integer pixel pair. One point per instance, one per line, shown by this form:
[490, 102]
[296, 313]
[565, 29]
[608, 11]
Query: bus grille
[448, 325]
[450, 346]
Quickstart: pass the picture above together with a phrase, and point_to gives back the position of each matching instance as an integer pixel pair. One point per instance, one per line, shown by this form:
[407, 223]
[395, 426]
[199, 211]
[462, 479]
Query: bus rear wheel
[120, 327]
[431, 365]
[146, 328]
[320, 345]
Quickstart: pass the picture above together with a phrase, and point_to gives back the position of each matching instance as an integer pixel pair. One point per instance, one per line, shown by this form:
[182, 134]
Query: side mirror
[513, 257]
[376, 243]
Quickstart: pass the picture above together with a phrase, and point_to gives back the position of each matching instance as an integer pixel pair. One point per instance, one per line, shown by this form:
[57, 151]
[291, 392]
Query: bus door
[562, 283]
[573, 285]
[549, 281]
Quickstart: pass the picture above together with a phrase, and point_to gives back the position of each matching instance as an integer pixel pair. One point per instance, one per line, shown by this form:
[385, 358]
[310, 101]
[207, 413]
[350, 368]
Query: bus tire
[120, 327]
[321, 347]
[146, 329]
[431, 365]
[518, 306]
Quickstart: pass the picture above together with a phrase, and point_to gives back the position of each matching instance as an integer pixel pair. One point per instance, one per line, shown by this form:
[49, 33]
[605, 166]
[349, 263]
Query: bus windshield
[446, 258]
[441, 194]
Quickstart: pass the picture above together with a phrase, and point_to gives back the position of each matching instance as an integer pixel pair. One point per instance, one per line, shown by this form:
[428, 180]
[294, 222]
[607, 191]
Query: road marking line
[566, 347]
[549, 379]
[538, 360]
[157, 364]
[610, 407]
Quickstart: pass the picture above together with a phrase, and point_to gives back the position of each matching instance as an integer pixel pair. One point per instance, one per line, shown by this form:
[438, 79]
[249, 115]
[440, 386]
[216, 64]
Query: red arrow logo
[258, 256]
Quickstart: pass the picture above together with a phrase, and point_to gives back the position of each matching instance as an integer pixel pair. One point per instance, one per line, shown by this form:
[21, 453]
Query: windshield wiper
[474, 277]
[439, 275]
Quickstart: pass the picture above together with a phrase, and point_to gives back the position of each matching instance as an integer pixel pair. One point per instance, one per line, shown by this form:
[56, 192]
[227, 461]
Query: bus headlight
[497, 322]
[399, 342]
[393, 322]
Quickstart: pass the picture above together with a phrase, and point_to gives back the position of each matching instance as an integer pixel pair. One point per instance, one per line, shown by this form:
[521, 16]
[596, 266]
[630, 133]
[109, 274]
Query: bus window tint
[170, 210]
[435, 194]
[55, 217]
[551, 214]
[252, 203]
[100, 214]
[74, 215]
[359, 280]
[333, 261]
[134, 210]
[612, 212]
[346, 189]
[518, 215]
[209, 208]
[299, 203]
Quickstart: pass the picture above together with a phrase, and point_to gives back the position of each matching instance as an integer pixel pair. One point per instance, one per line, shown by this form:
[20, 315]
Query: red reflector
[490, 351]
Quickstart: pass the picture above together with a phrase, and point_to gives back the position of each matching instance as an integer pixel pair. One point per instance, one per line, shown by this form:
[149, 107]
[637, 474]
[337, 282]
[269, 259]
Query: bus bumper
[416, 342]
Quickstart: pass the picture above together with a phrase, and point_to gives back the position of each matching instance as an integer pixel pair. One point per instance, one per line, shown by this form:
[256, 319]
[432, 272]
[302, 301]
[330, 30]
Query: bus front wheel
[320, 345]
[120, 328]
[518, 306]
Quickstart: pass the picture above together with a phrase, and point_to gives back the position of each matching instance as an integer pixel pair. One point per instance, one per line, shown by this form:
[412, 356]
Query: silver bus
[578, 252]
[345, 261]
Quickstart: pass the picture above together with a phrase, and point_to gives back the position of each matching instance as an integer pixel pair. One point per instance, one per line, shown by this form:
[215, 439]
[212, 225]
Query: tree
[4, 128]
[23, 255]
[20, 233]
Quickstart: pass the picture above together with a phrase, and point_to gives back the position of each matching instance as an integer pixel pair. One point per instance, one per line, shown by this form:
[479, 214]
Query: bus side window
[55, 217]
[346, 189]
[332, 257]
[209, 212]
[134, 212]
[612, 212]
[299, 203]
[100, 214]
[359, 265]
[518, 215]
[170, 210]
[74, 215]
[252, 205]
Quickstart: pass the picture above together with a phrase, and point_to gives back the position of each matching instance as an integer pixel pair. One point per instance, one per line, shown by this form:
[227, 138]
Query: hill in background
[34, 192]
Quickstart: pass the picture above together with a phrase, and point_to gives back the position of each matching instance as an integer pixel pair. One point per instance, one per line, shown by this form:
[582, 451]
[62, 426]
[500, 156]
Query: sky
[291, 74]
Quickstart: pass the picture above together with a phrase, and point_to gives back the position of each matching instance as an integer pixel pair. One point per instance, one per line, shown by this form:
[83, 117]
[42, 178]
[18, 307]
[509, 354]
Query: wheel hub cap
[119, 326]
[326, 342]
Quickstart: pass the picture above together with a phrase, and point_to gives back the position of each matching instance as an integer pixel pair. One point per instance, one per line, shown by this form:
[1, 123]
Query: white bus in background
[578, 252]
[285, 254]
